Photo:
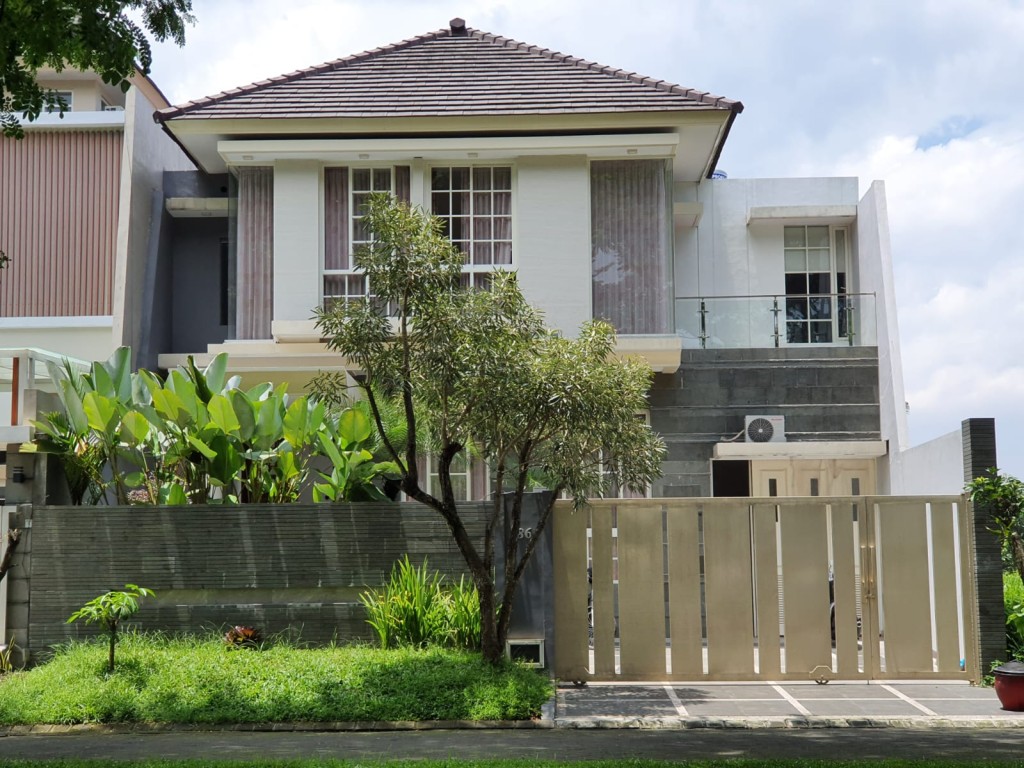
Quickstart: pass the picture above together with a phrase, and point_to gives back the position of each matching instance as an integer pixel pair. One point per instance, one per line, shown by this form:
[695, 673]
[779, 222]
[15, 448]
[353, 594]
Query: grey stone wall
[825, 393]
[296, 568]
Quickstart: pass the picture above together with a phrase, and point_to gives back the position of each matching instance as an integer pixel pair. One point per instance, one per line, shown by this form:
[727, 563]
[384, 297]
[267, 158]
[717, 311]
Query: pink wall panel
[58, 222]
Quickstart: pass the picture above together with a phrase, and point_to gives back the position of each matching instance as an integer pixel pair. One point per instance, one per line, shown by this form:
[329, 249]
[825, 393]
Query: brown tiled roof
[451, 72]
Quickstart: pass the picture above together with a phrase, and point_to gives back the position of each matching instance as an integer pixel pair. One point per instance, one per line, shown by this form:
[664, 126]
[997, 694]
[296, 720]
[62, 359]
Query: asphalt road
[843, 743]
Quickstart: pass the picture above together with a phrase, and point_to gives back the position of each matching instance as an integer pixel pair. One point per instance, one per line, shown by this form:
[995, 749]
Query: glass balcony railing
[734, 322]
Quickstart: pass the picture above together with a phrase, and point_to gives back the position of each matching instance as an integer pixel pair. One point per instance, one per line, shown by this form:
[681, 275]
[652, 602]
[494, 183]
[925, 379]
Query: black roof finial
[458, 27]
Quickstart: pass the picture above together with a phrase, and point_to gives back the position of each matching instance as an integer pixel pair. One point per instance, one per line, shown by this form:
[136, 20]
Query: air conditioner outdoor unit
[765, 429]
[113, 108]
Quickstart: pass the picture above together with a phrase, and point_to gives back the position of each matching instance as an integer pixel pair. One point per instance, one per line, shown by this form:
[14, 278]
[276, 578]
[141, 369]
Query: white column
[298, 238]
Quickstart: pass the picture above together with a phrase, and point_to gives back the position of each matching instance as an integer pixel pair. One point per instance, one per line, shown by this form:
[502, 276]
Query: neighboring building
[763, 305]
[81, 211]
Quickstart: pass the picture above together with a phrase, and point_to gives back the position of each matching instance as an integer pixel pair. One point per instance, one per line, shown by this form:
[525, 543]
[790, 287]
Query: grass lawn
[188, 680]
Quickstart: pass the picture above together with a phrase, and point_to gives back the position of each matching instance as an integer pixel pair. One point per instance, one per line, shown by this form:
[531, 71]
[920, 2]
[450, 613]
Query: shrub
[1013, 601]
[243, 637]
[416, 608]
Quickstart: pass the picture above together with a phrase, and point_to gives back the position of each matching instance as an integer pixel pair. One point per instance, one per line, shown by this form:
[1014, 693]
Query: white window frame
[838, 263]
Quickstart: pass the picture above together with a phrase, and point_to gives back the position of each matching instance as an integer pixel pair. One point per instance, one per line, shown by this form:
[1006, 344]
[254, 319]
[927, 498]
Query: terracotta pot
[1010, 685]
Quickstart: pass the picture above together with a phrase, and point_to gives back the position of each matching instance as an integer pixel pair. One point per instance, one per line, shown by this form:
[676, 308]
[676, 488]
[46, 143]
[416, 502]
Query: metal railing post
[703, 311]
[775, 319]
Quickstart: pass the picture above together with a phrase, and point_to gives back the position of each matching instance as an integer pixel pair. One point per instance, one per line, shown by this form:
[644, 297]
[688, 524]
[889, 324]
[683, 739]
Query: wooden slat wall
[58, 222]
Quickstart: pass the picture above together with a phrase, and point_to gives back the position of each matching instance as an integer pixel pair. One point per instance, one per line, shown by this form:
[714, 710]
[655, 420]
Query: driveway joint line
[909, 700]
[680, 709]
[796, 704]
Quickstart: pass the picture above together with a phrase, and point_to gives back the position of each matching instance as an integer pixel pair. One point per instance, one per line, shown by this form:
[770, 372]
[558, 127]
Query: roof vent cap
[458, 27]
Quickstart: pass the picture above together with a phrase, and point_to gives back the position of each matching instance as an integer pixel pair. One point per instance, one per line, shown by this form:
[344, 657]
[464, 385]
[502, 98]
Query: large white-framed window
[816, 258]
[475, 204]
[347, 190]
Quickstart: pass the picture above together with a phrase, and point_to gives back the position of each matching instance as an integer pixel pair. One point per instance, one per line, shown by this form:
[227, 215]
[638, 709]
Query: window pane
[459, 230]
[460, 203]
[819, 282]
[382, 179]
[359, 202]
[460, 178]
[817, 237]
[440, 178]
[796, 283]
[796, 309]
[796, 333]
[821, 309]
[361, 179]
[821, 333]
[796, 261]
[502, 254]
[503, 203]
[482, 254]
[503, 178]
[360, 231]
[818, 260]
[439, 204]
[794, 237]
[481, 228]
[502, 228]
[841, 248]
[481, 204]
[481, 178]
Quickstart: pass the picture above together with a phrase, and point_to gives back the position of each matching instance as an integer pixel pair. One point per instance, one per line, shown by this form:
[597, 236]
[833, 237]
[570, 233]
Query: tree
[96, 35]
[476, 372]
[109, 610]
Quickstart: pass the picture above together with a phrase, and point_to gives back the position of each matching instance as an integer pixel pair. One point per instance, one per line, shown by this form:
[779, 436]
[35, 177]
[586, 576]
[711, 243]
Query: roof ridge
[661, 85]
[327, 66]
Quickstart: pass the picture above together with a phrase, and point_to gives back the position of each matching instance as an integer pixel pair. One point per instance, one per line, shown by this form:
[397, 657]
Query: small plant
[1003, 496]
[243, 637]
[109, 610]
[6, 649]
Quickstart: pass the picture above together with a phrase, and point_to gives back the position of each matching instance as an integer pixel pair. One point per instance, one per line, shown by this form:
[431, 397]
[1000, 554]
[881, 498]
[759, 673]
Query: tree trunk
[492, 647]
[13, 536]
[113, 642]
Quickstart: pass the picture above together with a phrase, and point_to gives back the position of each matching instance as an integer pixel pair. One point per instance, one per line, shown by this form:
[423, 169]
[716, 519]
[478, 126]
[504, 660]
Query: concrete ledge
[789, 722]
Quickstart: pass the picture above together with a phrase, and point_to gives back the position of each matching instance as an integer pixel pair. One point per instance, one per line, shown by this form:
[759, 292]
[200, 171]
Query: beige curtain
[255, 297]
[631, 257]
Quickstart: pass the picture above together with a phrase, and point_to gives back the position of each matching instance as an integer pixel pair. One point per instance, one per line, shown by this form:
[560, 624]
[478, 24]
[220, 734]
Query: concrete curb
[790, 723]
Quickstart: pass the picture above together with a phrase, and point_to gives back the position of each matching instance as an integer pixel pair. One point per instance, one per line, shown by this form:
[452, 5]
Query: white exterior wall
[146, 154]
[875, 275]
[935, 467]
[551, 238]
[86, 338]
[298, 233]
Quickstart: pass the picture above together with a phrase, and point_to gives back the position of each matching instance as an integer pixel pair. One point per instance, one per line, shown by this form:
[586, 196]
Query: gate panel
[641, 592]
[944, 572]
[845, 577]
[569, 573]
[903, 568]
[805, 587]
[766, 567]
[727, 591]
[684, 592]
[603, 590]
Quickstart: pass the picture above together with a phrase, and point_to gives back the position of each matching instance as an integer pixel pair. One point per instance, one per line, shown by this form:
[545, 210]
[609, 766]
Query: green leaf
[134, 479]
[245, 413]
[202, 447]
[173, 495]
[134, 427]
[226, 463]
[354, 426]
[101, 412]
[222, 415]
[216, 372]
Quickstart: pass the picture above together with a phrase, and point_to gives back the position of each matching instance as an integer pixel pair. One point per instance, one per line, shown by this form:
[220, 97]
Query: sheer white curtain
[630, 225]
[255, 296]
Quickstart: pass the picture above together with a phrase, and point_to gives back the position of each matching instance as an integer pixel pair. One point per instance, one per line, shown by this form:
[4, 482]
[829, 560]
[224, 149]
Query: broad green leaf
[134, 427]
[101, 412]
[101, 381]
[354, 426]
[216, 371]
[202, 447]
[76, 411]
[119, 368]
[294, 422]
[134, 479]
[198, 380]
[330, 450]
[173, 495]
[222, 415]
[227, 462]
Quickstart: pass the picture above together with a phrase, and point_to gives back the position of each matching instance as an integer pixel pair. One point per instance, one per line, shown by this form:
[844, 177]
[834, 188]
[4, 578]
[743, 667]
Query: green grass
[187, 680]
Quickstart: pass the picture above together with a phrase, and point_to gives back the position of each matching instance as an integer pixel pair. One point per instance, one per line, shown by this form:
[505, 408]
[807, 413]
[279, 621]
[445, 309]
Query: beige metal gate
[739, 589]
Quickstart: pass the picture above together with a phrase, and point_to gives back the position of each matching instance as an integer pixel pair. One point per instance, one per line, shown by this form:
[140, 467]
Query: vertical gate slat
[767, 581]
[569, 556]
[845, 586]
[684, 592]
[603, 591]
[805, 587]
[727, 589]
[641, 592]
[969, 591]
[947, 625]
[904, 570]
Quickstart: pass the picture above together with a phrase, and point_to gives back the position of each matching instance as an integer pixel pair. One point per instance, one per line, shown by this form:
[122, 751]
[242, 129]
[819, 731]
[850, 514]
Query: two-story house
[765, 306]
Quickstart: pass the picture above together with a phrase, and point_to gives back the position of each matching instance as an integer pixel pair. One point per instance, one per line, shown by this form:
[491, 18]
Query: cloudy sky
[927, 95]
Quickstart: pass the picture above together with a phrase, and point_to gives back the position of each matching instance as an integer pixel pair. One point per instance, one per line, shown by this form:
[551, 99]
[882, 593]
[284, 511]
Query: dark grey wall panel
[825, 393]
[293, 568]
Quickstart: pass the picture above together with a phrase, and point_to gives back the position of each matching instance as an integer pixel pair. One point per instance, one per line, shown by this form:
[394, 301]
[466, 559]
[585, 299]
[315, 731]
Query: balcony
[26, 390]
[777, 320]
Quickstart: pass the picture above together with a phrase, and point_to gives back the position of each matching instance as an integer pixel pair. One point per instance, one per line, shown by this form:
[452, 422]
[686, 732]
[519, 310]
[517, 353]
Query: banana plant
[353, 467]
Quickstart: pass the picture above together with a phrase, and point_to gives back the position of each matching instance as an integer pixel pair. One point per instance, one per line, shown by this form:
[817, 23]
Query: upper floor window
[815, 267]
[68, 97]
[346, 193]
[475, 204]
